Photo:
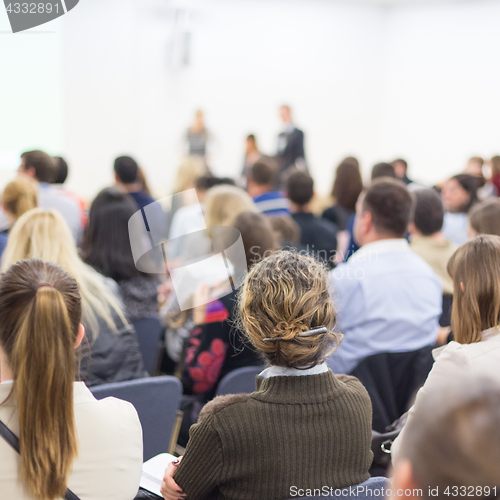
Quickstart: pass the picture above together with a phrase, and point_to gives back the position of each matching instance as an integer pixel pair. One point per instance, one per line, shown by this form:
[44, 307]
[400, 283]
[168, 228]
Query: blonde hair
[40, 313]
[189, 170]
[44, 234]
[19, 196]
[224, 203]
[283, 296]
[475, 267]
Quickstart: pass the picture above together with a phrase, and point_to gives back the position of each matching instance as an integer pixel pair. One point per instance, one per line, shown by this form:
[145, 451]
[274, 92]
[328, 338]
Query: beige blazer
[481, 359]
[109, 462]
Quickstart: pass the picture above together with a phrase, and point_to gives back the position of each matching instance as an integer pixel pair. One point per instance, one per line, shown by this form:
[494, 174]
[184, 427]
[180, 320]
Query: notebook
[153, 471]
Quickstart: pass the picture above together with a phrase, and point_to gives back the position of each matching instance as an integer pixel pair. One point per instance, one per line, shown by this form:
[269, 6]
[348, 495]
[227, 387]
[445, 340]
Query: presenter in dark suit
[290, 142]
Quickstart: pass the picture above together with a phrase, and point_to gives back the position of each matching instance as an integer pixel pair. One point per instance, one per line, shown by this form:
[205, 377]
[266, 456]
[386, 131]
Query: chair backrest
[373, 489]
[241, 380]
[392, 379]
[156, 401]
[149, 337]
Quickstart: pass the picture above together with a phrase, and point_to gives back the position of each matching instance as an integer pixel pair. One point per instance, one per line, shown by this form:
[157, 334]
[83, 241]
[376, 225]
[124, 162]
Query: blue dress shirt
[388, 299]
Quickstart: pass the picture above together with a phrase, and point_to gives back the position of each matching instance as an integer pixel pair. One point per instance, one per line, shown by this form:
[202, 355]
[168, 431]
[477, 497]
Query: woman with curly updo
[304, 427]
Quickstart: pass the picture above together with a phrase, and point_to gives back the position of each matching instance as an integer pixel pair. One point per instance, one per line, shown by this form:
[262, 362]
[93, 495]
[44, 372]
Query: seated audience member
[459, 194]
[41, 167]
[383, 170]
[484, 218]
[216, 347]
[261, 182]
[346, 190]
[106, 247]
[454, 444]
[67, 438]
[475, 321]
[388, 298]
[495, 174]
[252, 155]
[317, 236]
[62, 175]
[287, 232]
[474, 167]
[127, 180]
[19, 196]
[303, 426]
[110, 352]
[401, 170]
[427, 240]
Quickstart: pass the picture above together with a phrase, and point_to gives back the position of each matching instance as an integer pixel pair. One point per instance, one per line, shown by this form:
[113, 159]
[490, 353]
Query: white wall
[416, 81]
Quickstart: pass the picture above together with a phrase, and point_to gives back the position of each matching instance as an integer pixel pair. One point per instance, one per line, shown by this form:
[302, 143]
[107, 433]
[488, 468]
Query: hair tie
[40, 285]
[314, 331]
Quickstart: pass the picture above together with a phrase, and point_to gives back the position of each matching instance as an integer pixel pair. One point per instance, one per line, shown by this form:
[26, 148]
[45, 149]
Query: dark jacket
[338, 215]
[318, 236]
[294, 148]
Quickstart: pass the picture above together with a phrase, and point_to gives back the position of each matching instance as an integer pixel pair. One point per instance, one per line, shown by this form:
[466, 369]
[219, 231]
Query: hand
[170, 490]
[443, 333]
[164, 291]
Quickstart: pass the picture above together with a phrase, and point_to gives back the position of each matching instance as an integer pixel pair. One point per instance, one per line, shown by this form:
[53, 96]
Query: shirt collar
[381, 246]
[281, 371]
[490, 332]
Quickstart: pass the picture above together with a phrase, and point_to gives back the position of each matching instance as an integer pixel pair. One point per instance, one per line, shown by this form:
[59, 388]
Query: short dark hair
[383, 170]
[428, 211]
[264, 172]
[390, 205]
[126, 169]
[300, 188]
[402, 162]
[471, 184]
[62, 170]
[106, 244]
[208, 181]
[44, 165]
[484, 217]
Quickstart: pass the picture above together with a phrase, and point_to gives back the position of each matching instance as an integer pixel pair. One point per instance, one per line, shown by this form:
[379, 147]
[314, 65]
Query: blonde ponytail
[40, 310]
[19, 197]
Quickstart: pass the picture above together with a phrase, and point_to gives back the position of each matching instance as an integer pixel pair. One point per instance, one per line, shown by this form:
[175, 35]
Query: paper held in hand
[153, 471]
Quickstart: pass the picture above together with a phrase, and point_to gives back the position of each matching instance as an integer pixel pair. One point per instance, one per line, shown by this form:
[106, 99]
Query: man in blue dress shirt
[388, 299]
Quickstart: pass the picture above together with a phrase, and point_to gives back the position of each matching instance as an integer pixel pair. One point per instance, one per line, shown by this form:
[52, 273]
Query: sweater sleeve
[200, 471]
[452, 362]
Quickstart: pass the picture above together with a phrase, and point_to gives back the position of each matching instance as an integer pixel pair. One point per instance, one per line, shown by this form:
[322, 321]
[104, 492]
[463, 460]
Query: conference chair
[149, 332]
[157, 403]
[241, 380]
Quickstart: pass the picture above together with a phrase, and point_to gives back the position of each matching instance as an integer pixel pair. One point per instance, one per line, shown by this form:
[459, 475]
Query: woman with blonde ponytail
[19, 196]
[67, 439]
[110, 351]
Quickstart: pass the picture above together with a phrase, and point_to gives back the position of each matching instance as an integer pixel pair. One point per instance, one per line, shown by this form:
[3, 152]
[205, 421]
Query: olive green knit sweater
[305, 431]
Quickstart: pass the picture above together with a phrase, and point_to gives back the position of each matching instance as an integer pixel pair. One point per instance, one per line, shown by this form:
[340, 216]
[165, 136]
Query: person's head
[199, 119]
[299, 189]
[475, 270]
[428, 213]
[44, 234]
[475, 166]
[38, 165]
[224, 203]
[484, 218]
[62, 170]
[188, 171]
[383, 170]
[400, 167]
[126, 170]
[459, 193]
[262, 177]
[40, 313]
[286, 229]
[257, 235]
[106, 244]
[283, 296]
[347, 186]
[285, 113]
[19, 196]
[453, 444]
[382, 212]
[251, 144]
[495, 165]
